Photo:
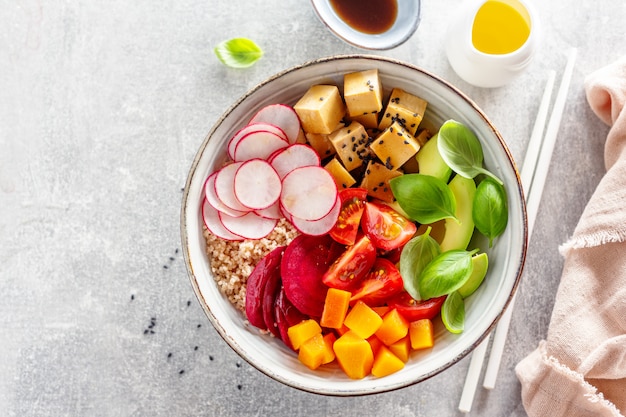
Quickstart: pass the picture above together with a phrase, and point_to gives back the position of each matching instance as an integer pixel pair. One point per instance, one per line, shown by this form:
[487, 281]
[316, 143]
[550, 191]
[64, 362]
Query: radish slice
[225, 187]
[294, 156]
[249, 226]
[321, 226]
[213, 199]
[271, 212]
[308, 193]
[257, 185]
[213, 223]
[257, 127]
[258, 145]
[282, 116]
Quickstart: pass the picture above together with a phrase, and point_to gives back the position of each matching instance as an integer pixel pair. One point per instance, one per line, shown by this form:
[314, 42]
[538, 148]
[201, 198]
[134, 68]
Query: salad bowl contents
[353, 225]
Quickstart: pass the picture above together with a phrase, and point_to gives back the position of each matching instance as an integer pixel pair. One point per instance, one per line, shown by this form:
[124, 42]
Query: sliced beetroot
[272, 287]
[280, 115]
[287, 315]
[267, 268]
[257, 127]
[321, 226]
[294, 156]
[248, 226]
[258, 145]
[257, 184]
[308, 193]
[211, 219]
[305, 261]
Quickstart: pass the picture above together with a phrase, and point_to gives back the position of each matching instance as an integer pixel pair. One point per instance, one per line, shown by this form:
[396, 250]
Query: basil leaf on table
[416, 254]
[238, 52]
[490, 209]
[461, 150]
[446, 273]
[453, 313]
[425, 199]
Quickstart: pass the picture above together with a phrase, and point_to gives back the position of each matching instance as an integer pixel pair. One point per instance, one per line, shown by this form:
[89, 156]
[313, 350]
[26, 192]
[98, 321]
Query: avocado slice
[430, 161]
[480, 264]
[459, 233]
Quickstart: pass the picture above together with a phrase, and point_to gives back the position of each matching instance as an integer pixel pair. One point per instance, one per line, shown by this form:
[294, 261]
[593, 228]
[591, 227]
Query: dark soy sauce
[367, 16]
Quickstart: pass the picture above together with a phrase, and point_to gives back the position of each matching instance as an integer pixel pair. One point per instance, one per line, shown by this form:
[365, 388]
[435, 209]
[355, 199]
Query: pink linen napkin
[580, 369]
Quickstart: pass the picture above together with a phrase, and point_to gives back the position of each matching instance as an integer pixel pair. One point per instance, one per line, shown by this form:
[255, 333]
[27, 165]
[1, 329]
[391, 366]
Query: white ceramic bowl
[405, 25]
[483, 308]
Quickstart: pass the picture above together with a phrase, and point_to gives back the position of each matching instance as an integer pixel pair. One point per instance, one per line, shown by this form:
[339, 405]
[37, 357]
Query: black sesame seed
[385, 189]
[195, 348]
[399, 133]
[406, 142]
[343, 145]
[344, 185]
[349, 130]
[350, 158]
[388, 115]
[169, 355]
[132, 296]
[380, 184]
[391, 129]
[199, 325]
[164, 266]
[188, 303]
[374, 189]
[327, 151]
[182, 371]
[380, 142]
[211, 357]
[321, 98]
[239, 387]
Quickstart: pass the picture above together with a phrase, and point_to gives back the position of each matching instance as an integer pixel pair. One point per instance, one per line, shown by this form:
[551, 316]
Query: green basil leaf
[461, 150]
[416, 254]
[238, 52]
[490, 209]
[423, 198]
[446, 273]
[453, 313]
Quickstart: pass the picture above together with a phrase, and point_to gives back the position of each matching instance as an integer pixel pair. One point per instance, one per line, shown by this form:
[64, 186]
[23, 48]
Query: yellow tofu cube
[394, 146]
[320, 109]
[405, 108]
[321, 144]
[363, 92]
[342, 177]
[351, 143]
[376, 181]
[368, 120]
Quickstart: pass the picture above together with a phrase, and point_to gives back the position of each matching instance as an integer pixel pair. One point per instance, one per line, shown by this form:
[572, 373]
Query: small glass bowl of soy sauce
[370, 24]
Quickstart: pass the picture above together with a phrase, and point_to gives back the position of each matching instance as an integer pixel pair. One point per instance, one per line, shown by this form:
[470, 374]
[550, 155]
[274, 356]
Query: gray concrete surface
[102, 107]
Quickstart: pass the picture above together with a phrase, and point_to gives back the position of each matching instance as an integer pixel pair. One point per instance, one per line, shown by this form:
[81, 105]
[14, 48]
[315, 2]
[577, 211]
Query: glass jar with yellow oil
[490, 42]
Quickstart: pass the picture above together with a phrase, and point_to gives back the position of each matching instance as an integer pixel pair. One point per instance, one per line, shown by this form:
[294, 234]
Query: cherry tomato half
[347, 225]
[413, 310]
[352, 265]
[382, 282]
[386, 228]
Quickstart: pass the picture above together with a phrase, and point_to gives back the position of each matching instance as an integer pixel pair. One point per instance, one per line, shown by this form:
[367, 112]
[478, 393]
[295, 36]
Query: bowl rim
[185, 236]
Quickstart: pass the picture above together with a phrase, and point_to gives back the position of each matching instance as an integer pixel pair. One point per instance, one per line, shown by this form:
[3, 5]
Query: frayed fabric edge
[592, 240]
[592, 395]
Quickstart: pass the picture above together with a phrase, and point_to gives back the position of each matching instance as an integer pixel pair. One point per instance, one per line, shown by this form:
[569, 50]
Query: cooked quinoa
[232, 262]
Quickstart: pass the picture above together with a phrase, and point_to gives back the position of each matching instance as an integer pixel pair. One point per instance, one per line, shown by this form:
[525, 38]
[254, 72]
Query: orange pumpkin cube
[363, 320]
[354, 355]
[329, 353]
[393, 328]
[386, 363]
[335, 308]
[303, 331]
[312, 352]
[402, 348]
[421, 334]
